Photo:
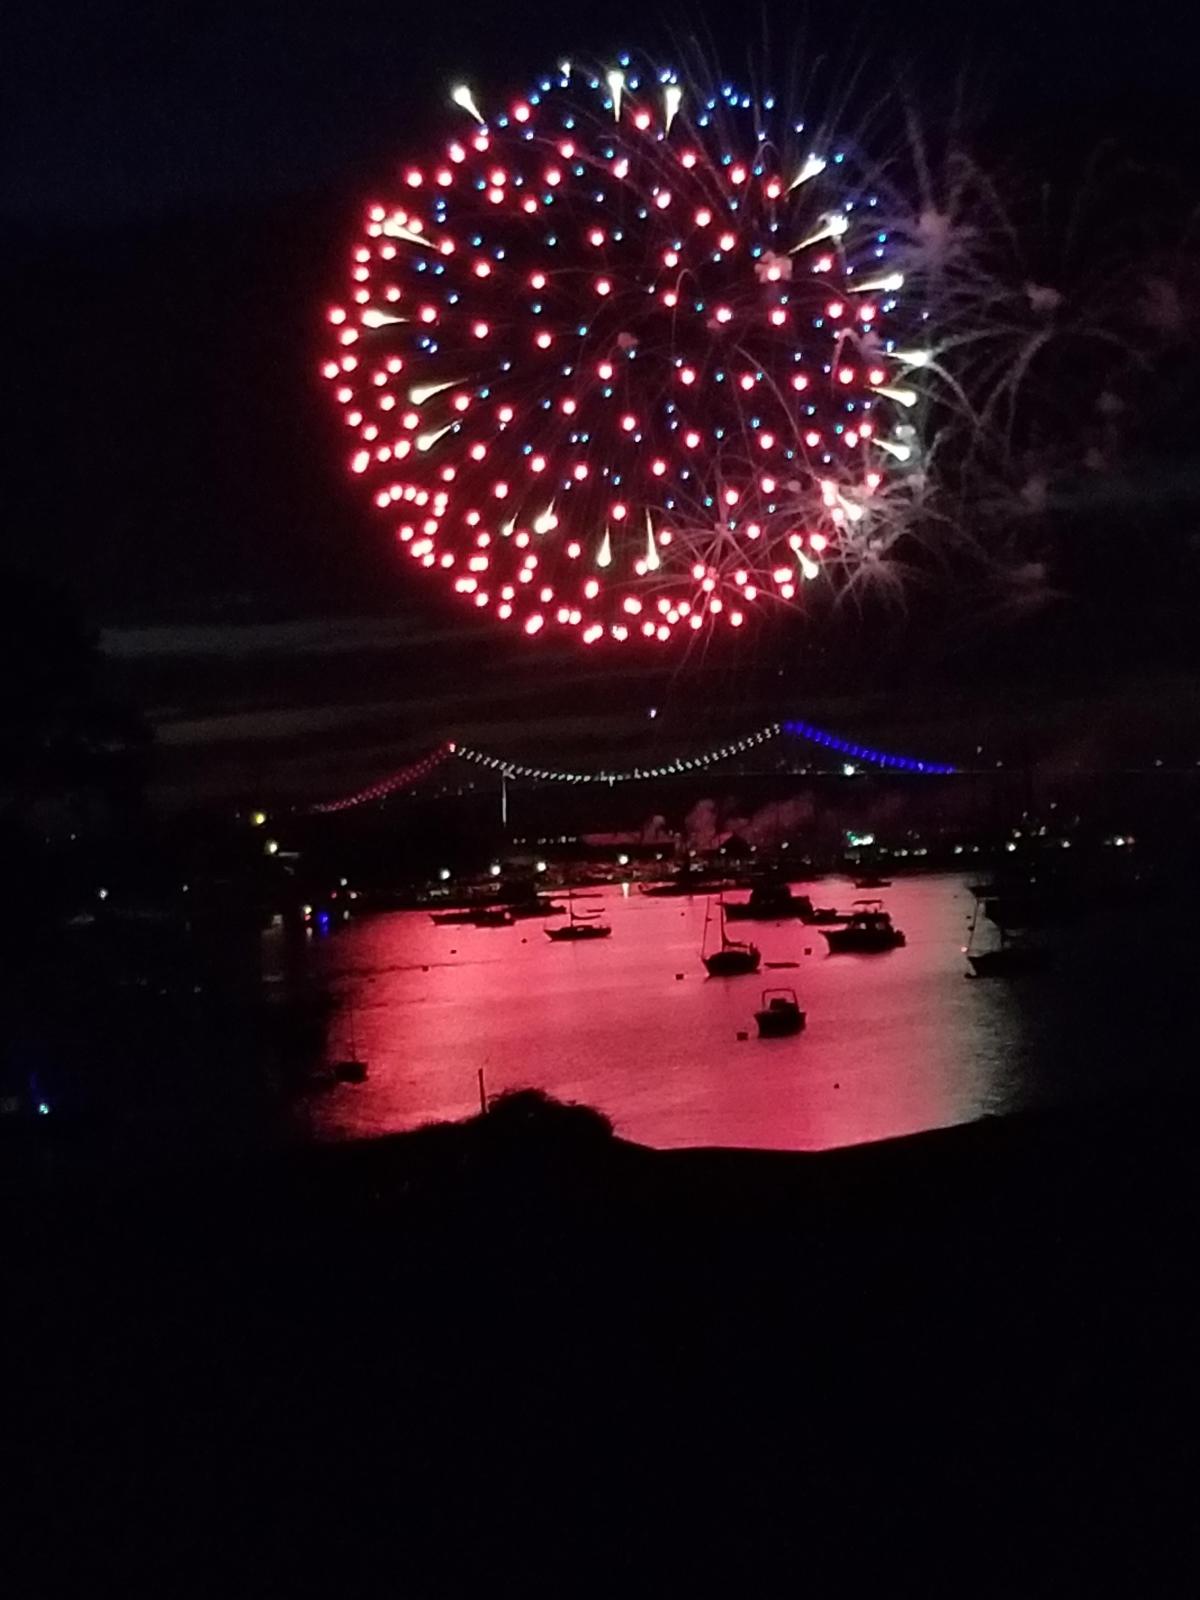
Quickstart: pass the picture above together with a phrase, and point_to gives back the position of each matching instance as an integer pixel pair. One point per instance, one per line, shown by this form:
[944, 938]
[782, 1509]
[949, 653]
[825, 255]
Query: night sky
[177, 184]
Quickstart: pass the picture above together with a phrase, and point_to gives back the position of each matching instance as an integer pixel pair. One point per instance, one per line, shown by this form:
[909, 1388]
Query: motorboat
[735, 959]
[779, 1015]
[872, 880]
[582, 925]
[769, 902]
[579, 930]
[867, 931]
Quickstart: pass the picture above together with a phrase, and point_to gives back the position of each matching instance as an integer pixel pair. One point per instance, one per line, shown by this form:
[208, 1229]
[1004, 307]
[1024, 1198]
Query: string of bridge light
[409, 776]
[862, 752]
[772, 730]
[666, 769]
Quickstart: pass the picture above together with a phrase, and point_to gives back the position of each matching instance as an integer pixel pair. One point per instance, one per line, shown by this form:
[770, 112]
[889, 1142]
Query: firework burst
[631, 358]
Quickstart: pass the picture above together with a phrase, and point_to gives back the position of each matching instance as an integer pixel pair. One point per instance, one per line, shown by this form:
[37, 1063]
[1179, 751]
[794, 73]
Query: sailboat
[1012, 958]
[735, 958]
[352, 1070]
[580, 926]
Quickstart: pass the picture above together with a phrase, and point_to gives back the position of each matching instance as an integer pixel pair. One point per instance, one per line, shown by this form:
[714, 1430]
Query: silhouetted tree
[67, 750]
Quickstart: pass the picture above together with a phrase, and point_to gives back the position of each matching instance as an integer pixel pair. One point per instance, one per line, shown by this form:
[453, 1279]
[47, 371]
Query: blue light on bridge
[861, 752]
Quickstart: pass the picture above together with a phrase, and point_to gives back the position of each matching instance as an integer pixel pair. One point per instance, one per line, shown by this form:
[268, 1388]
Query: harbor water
[894, 1043]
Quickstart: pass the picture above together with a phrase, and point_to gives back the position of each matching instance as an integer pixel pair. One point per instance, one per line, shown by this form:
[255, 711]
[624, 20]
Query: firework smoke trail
[1052, 316]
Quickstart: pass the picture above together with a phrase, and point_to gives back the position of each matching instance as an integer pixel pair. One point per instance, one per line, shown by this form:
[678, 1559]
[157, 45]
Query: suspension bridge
[418, 770]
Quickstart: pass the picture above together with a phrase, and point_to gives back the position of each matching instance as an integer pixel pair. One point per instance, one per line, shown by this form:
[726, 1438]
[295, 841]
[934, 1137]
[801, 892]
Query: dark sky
[113, 111]
[176, 184]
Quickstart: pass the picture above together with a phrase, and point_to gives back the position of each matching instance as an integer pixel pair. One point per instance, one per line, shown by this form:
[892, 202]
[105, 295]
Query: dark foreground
[519, 1352]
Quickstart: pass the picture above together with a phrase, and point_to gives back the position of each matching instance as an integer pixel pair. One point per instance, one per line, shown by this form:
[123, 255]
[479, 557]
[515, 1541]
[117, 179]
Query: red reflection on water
[632, 1025]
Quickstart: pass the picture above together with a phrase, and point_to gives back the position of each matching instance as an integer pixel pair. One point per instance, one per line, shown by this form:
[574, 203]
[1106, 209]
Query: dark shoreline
[443, 1361]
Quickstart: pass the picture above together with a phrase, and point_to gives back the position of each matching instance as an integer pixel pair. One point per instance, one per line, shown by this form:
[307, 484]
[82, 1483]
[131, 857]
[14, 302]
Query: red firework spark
[618, 364]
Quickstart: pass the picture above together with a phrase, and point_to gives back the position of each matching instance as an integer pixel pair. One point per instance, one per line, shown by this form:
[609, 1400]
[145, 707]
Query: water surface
[895, 1043]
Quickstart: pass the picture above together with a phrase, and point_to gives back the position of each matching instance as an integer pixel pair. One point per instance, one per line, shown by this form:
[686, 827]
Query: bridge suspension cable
[415, 772]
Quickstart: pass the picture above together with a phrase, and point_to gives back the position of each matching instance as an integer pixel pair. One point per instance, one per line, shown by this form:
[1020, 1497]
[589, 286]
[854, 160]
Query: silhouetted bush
[531, 1116]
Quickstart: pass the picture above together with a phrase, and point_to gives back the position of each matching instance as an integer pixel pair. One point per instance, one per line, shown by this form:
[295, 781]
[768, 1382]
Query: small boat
[734, 959]
[687, 882]
[492, 917]
[519, 909]
[1014, 957]
[867, 931]
[872, 880]
[779, 1015]
[579, 930]
[1012, 960]
[769, 902]
[581, 926]
[454, 919]
[351, 1070]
